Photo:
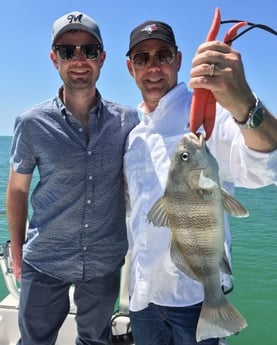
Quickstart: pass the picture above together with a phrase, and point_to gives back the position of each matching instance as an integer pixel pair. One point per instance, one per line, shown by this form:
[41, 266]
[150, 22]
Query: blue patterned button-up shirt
[77, 229]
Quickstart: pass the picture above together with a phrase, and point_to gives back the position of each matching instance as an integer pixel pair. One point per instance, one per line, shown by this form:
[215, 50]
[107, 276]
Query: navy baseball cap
[151, 29]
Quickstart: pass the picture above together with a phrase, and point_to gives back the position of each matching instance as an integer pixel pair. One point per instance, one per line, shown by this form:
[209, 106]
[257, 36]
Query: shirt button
[90, 177]
[89, 202]
[89, 153]
[80, 129]
[84, 248]
[86, 226]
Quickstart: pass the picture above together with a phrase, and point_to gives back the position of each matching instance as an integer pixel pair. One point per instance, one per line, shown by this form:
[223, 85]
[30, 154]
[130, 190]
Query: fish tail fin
[219, 321]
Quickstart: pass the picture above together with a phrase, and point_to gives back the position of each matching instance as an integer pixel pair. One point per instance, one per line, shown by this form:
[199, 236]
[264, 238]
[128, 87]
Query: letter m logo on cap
[73, 19]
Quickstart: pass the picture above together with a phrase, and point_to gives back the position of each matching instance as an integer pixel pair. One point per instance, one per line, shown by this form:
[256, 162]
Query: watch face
[257, 117]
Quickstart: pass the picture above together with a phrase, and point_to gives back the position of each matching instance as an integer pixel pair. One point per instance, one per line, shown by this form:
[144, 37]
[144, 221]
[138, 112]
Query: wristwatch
[255, 116]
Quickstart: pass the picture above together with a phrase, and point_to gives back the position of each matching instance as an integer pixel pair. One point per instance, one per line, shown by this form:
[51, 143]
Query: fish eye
[185, 156]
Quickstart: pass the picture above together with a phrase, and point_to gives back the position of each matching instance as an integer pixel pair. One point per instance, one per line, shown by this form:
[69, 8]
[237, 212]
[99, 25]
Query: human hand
[16, 262]
[226, 81]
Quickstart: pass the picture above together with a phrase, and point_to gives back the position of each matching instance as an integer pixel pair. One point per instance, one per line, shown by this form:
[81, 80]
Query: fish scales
[193, 207]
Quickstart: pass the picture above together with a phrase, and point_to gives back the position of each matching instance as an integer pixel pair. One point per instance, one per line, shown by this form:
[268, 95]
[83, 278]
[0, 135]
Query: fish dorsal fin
[232, 206]
[225, 266]
[179, 260]
[158, 213]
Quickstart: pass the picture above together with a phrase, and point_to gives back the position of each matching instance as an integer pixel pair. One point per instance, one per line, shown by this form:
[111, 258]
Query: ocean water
[254, 258]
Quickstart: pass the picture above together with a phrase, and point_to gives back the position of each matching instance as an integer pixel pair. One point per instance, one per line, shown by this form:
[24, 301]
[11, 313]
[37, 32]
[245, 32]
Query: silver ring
[212, 70]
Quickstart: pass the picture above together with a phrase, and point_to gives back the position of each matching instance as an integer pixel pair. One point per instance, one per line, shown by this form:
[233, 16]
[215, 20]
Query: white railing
[6, 266]
[7, 271]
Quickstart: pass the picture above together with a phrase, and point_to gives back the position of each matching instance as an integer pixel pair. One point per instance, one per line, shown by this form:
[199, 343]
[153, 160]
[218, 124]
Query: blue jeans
[44, 305]
[158, 325]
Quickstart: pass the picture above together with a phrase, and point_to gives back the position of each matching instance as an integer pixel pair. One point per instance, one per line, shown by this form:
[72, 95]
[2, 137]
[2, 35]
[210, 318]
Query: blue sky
[28, 76]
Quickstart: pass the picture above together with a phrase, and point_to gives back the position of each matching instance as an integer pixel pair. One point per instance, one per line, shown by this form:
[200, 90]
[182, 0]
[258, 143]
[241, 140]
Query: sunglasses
[67, 51]
[164, 57]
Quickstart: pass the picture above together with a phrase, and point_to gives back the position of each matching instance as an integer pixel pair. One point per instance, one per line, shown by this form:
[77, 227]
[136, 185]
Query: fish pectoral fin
[158, 213]
[225, 265]
[233, 206]
[179, 261]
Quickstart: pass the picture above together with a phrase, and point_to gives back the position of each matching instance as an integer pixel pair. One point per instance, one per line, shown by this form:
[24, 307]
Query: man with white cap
[76, 234]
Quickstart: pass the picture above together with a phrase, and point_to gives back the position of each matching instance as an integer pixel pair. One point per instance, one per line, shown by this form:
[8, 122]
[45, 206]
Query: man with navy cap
[77, 232]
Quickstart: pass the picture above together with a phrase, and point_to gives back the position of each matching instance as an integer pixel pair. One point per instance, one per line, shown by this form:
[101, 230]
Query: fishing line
[251, 26]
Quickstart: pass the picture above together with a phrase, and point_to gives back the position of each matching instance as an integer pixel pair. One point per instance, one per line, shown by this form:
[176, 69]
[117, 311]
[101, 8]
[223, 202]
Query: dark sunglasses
[67, 51]
[164, 57]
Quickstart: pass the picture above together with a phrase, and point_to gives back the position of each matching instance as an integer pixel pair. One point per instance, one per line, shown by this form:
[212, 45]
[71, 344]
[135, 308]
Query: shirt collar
[95, 110]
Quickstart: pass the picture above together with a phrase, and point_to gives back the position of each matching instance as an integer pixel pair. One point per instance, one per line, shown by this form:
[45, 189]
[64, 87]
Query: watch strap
[255, 116]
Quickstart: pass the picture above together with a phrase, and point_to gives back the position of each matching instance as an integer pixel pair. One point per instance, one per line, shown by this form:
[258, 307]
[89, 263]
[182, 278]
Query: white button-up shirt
[153, 277]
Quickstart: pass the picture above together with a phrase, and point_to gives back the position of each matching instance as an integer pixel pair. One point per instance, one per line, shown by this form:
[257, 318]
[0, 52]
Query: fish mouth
[201, 143]
[198, 139]
[201, 140]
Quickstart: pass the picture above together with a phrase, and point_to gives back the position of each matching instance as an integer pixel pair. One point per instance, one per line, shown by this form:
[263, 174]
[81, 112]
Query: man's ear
[53, 57]
[179, 60]
[130, 67]
[102, 58]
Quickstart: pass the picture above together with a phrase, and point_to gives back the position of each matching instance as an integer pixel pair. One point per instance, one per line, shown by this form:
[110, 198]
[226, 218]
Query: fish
[192, 207]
